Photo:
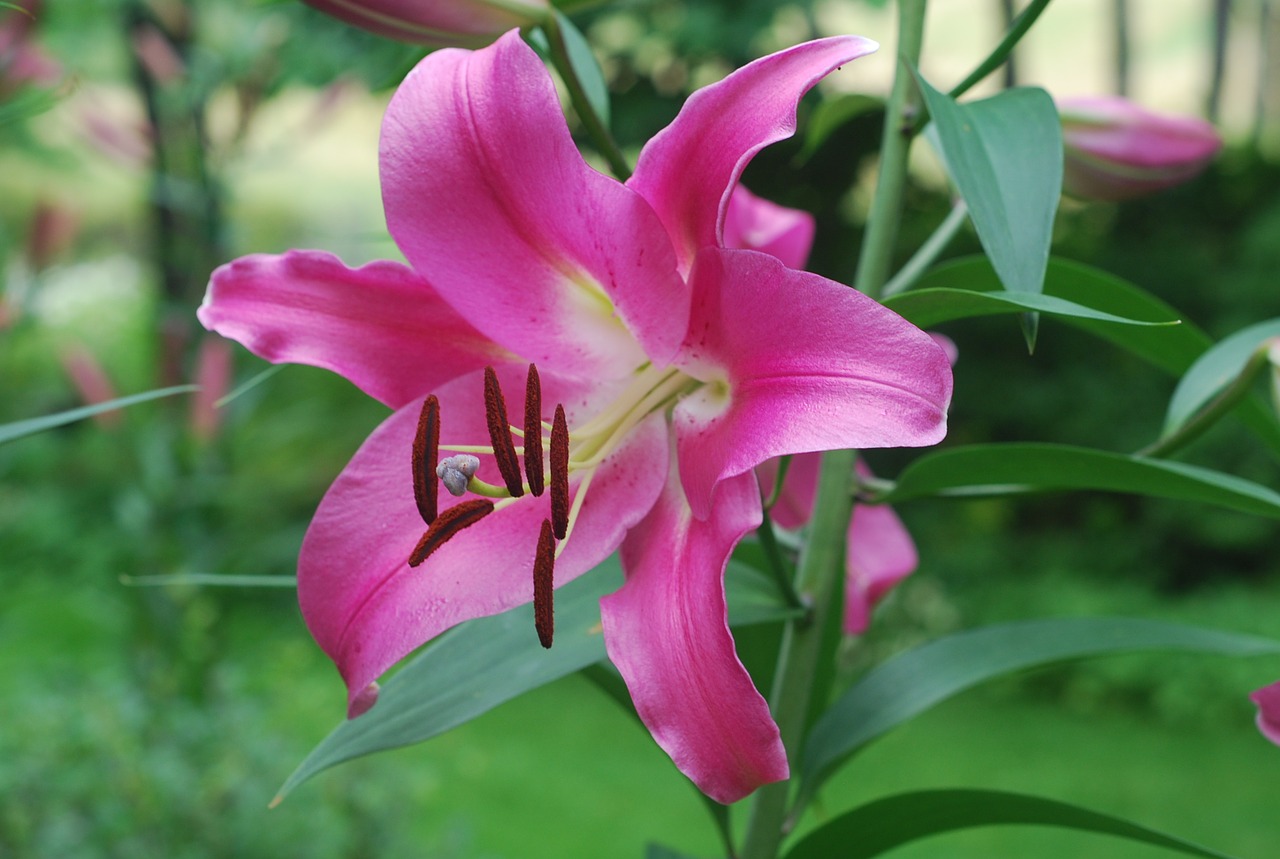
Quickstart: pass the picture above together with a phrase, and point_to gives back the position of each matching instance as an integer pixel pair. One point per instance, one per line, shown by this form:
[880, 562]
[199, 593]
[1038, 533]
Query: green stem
[822, 561]
[1227, 400]
[778, 566]
[1019, 29]
[591, 120]
[928, 252]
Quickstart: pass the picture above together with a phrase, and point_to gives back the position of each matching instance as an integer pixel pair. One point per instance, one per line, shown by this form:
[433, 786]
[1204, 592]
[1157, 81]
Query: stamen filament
[544, 619]
[504, 452]
[426, 449]
[533, 430]
[580, 497]
[447, 524]
[668, 388]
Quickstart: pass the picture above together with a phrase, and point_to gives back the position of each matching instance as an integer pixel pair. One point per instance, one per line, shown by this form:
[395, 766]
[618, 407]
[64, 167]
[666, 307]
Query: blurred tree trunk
[1221, 26]
[185, 197]
[1120, 24]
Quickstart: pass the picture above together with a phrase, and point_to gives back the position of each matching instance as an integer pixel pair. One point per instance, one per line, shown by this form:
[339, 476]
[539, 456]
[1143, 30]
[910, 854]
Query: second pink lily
[676, 366]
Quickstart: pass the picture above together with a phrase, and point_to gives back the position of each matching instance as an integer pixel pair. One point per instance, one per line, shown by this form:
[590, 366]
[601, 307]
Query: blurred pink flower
[91, 381]
[1116, 150]
[22, 61]
[436, 22]
[673, 372]
[213, 375]
[1268, 700]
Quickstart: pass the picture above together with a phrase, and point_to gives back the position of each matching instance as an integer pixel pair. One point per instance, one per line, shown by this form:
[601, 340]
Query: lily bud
[1116, 150]
[469, 23]
[1268, 701]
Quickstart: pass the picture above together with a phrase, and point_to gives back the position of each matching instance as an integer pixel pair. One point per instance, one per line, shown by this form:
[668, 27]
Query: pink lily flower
[676, 366]
[880, 551]
[1268, 700]
[436, 22]
[1116, 150]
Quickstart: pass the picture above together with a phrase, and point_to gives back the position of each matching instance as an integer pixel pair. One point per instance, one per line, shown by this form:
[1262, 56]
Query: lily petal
[756, 224]
[796, 363]
[1268, 700]
[367, 324]
[485, 190]
[688, 170]
[667, 631]
[368, 609]
[880, 554]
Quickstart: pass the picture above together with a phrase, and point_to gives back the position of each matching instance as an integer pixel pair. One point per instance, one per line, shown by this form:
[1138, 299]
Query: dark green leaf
[916, 680]
[831, 114]
[1171, 348]
[883, 824]
[996, 469]
[661, 851]
[1214, 370]
[1004, 154]
[586, 67]
[929, 307]
[212, 579]
[19, 429]
[468, 671]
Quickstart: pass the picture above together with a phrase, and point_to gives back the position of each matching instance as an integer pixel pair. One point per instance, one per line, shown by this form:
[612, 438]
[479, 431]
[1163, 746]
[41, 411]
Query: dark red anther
[560, 474]
[504, 451]
[426, 450]
[447, 524]
[533, 431]
[544, 563]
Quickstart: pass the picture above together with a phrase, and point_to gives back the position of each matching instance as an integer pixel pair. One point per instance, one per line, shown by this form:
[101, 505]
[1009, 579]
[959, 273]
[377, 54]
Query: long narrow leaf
[986, 469]
[20, 429]
[883, 824]
[916, 680]
[470, 670]
[929, 307]
[1214, 370]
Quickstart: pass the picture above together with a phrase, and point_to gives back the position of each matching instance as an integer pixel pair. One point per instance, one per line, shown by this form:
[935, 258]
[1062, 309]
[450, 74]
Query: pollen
[533, 431]
[504, 451]
[544, 620]
[426, 449]
[447, 524]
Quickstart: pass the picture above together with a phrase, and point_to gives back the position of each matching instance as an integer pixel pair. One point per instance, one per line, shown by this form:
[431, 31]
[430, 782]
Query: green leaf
[585, 66]
[661, 851]
[883, 824]
[1214, 370]
[753, 597]
[831, 114]
[912, 682]
[212, 579]
[1004, 154]
[249, 384]
[928, 307]
[468, 671]
[1173, 349]
[19, 429]
[994, 469]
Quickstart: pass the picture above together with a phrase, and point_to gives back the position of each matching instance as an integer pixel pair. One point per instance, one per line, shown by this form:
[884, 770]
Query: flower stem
[591, 120]
[994, 60]
[822, 561]
[1227, 400]
[928, 252]
[782, 574]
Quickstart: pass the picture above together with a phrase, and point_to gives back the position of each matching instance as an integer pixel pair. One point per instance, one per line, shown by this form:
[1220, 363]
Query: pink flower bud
[1116, 150]
[1268, 700]
[436, 22]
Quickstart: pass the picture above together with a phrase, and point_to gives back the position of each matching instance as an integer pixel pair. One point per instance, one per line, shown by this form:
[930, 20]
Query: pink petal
[667, 631]
[755, 224]
[799, 489]
[796, 363]
[880, 554]
[1268, 700]
[368, 609]
[485, 191]
[451, 22]
[687, 171]
[381, 326]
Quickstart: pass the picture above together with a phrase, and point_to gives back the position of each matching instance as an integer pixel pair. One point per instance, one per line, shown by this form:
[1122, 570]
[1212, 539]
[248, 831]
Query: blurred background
[145, 142]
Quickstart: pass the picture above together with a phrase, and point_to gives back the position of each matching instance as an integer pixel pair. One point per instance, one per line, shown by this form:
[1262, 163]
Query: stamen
[544, 618]
[447, 524]
[560, 474]
[455, 472]
[533, 431]
[504, 451]
[426, 448]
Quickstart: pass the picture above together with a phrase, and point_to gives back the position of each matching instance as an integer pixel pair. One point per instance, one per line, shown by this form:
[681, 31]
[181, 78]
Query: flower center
[551, 453]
